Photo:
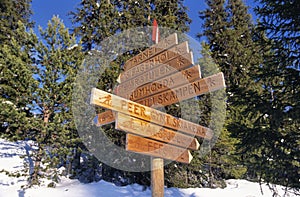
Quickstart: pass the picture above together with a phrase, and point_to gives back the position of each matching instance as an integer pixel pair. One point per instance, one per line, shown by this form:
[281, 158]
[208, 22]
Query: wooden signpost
[158, 76]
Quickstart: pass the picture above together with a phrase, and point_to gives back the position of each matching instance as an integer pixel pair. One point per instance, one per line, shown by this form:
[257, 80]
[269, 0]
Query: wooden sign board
[175, 95]
[105, 118]
[152, 51]
[157, 149]
[178, 63]
[146, 129]
[119, 104]
[184, 77]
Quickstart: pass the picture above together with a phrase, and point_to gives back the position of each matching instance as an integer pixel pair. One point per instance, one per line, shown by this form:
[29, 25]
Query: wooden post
[157, 177]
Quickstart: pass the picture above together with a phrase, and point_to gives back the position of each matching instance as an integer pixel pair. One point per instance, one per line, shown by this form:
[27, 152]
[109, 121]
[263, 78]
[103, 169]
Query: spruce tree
[276, 108]
[229, 31]
[273, 106]
[280, 21]
[263, 102]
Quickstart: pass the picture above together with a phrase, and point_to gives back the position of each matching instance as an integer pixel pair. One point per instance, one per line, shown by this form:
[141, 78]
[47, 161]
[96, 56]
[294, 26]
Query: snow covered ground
[11, 187]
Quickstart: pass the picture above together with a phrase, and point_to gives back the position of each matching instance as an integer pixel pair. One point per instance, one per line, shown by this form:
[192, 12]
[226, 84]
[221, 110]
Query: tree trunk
[38, 159]
[34, 179]
[75, 161]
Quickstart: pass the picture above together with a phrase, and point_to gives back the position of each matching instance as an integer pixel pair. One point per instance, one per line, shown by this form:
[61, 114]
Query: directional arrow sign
[146, 129]
[119, 104]
[190, 90]
[157, 149]
[150, 52]
[105, 118]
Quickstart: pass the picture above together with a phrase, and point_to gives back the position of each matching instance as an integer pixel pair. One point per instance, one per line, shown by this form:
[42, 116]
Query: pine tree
[15, 68]
[57, 59]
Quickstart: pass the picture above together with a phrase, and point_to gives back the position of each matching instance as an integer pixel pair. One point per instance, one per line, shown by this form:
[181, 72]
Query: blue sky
[45, 9]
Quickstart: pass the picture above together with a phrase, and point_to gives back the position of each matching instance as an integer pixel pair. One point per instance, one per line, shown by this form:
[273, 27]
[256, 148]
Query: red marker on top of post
[155, 32]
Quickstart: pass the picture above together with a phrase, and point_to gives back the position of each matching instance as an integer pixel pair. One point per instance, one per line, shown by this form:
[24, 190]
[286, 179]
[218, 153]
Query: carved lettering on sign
[149, 114]
[179, 63]
[187, 91]
[150, 52]
[147, 129]
[105, 118]
[106, 100]
[177, 60]
[158, 149]
[163, 84]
